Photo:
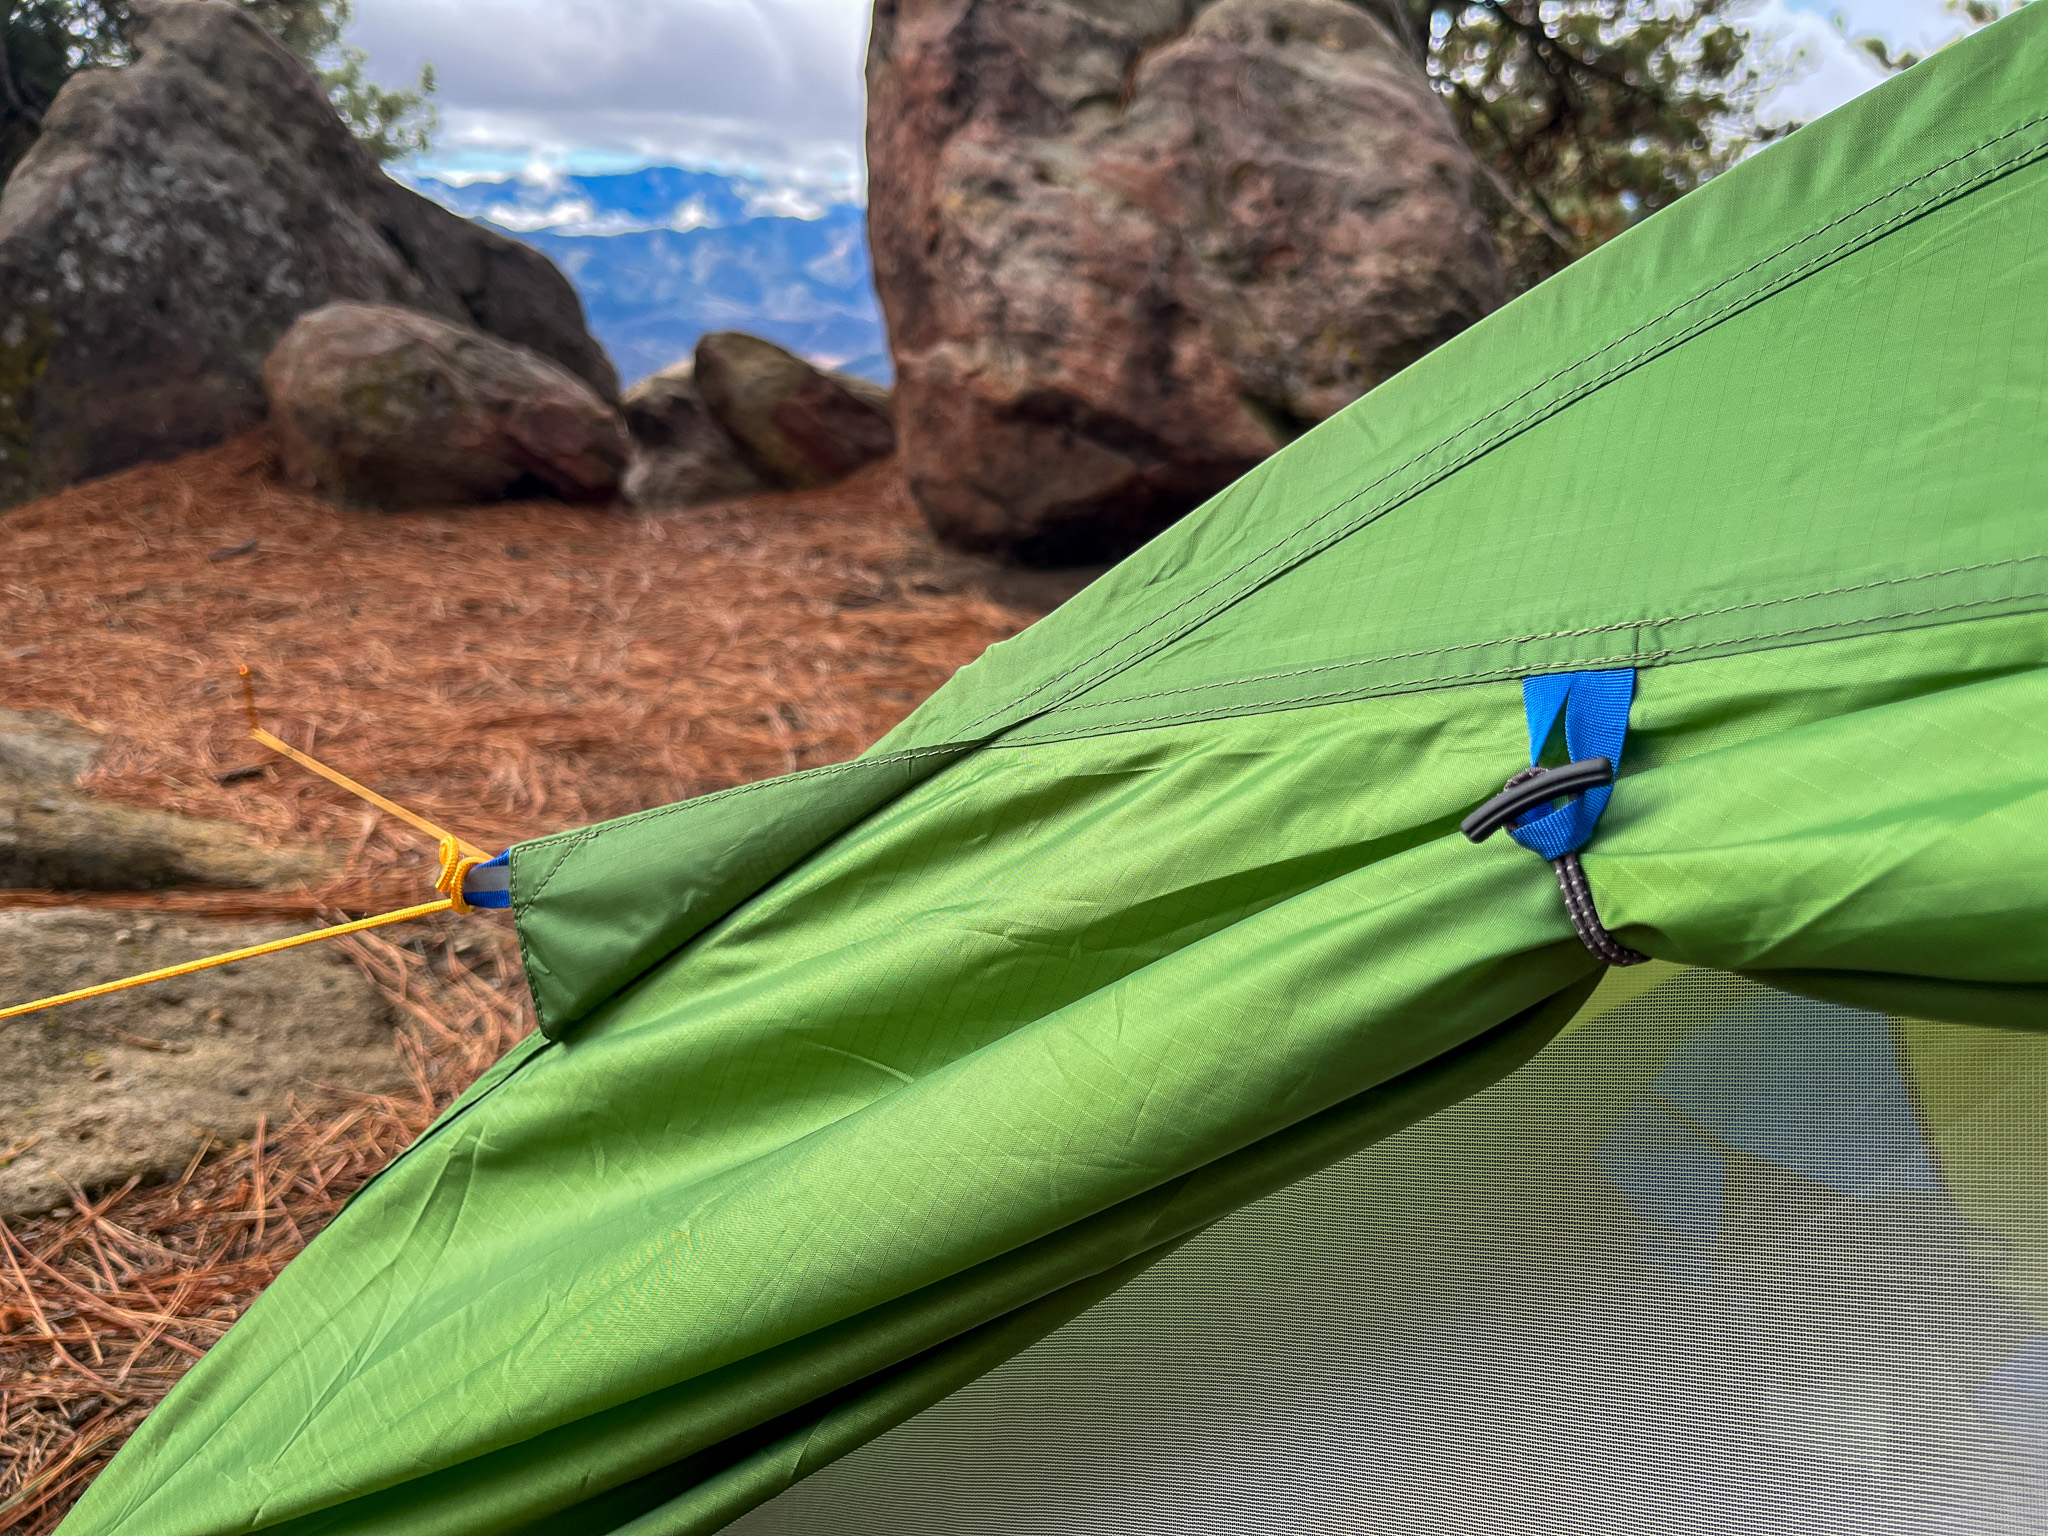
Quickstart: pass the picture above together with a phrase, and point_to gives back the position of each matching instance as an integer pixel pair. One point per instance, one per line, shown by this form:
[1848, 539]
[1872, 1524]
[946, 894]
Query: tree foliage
[1972, 13]
[393, 124]
[44, 42]
[1591, 114]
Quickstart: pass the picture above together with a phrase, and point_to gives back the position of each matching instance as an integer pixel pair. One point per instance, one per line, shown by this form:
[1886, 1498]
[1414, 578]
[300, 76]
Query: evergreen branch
[1542, 216]
[1545, 45]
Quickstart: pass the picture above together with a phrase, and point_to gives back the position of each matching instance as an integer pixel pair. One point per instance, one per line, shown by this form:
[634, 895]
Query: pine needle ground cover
[506, 671]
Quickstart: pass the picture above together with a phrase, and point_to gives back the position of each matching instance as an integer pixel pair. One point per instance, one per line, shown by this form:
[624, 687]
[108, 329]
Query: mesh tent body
[854, 1083]
[1718, 1261]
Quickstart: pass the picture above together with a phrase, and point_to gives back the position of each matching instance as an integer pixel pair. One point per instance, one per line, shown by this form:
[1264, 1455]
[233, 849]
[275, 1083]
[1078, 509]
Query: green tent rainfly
[855, 1083]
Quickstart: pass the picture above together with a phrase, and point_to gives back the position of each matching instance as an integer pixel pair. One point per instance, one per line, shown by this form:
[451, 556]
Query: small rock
[880, 396]
[378, 406]
[52, 837]
[798, 426]
[682, 457]
[98, 1091]
[44, 748]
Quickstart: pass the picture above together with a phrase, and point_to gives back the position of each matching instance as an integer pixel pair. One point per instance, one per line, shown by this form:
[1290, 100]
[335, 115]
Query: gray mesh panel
[1719, 1261]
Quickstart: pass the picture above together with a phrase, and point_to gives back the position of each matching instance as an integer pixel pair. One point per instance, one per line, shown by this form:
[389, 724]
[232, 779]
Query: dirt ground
[506, 671]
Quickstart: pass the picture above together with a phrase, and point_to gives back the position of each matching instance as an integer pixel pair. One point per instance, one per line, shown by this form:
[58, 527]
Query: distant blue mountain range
[660, 256]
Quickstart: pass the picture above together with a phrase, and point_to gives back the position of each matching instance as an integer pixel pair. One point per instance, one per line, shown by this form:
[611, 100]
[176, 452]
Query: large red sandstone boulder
[173, 220]
[1125, 252]
[797, 425]
[378, 406]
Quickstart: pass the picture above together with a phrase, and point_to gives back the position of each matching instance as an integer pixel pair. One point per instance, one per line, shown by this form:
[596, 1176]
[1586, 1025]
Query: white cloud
[692, 213]
[571, 212]
[1822, 68]
[772, 88]
[768, 86]
[785, 202]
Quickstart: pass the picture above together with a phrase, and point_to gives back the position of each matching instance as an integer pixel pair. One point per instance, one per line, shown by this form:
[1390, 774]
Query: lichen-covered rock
[44, 749]
[53, 837]
[1127, 249]
[373, 405]
[681, 457]
[798, 426]
[135, 1082]
[173, 220]
[880, 396]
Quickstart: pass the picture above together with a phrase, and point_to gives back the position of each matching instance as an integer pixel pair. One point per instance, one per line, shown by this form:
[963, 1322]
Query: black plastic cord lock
[1533, 787]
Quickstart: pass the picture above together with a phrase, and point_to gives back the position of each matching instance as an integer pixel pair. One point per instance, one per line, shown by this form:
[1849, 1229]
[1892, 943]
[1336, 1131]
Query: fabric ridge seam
[1598, 629]
[1499, 674]
[1571, 397]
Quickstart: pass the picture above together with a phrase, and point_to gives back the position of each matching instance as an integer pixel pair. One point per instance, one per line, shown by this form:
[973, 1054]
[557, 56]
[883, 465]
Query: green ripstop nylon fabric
[1791, 408]
[857, 1082]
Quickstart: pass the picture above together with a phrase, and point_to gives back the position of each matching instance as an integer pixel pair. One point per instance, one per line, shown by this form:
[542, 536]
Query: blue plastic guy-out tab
[1595, 708]
[490, 885]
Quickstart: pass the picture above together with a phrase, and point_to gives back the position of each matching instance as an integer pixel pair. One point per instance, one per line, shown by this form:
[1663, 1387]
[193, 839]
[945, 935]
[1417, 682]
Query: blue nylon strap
[1595, 709]
[490, 885]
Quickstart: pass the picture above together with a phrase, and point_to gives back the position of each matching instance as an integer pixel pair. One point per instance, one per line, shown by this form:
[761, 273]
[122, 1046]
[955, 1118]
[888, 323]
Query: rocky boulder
[133, 1083]
[797, 426]
[176, 216]
[1126, 250]
[682, 457]
[53, 837]
[880, 396]
[377, 406]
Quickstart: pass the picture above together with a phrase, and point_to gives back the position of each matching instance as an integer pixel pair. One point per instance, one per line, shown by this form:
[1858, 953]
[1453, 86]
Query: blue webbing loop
[1595, 708]
[490, 885]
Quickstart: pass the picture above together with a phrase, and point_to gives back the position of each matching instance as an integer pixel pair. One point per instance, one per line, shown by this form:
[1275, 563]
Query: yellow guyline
[458, 858]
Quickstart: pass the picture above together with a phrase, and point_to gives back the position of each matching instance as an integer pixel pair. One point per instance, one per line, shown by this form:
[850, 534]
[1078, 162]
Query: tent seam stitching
[1884, 227]
[1573, 634]
[1637, 658]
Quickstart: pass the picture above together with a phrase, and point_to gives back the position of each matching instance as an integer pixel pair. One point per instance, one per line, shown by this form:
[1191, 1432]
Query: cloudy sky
[774, 86]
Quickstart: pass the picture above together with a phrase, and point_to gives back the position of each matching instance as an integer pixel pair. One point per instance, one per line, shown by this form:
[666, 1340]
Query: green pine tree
[1591, 114]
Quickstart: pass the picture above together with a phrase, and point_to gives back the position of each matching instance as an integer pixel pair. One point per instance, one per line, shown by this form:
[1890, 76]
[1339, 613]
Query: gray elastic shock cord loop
[1578, 901]
[1578, 904]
